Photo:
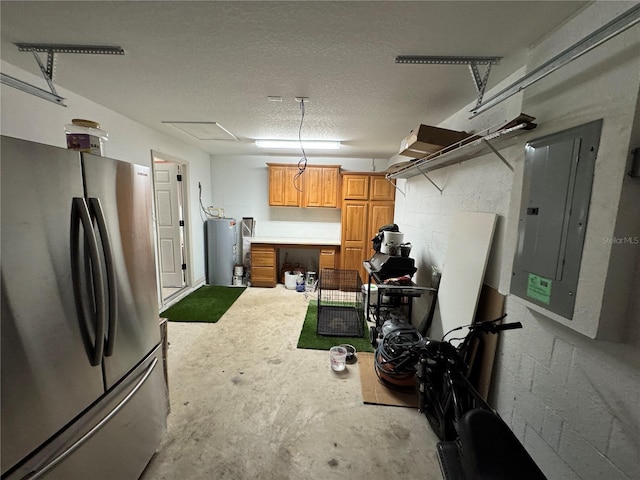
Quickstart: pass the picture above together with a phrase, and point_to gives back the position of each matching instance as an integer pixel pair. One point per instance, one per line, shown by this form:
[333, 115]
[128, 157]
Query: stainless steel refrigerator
[221, 250]
[83, 391]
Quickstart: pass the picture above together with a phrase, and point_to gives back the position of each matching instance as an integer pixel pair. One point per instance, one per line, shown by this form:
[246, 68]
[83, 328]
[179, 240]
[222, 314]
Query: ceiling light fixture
[307, 144]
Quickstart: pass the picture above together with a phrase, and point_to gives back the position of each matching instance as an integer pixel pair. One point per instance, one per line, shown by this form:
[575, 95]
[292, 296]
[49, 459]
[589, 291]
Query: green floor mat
[310, 340]
[206, 304]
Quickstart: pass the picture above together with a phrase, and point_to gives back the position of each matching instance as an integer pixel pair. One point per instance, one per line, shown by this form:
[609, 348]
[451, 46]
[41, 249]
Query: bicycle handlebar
[493, 327]
[508, 326]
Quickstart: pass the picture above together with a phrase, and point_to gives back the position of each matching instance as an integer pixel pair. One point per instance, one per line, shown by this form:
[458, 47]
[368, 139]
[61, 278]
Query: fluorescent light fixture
[307, 144]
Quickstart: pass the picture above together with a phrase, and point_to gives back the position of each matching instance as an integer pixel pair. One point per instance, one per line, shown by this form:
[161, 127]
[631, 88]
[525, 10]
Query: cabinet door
[313, 187]
[321, 187]
[380, 214]
[282, 186]
[330, 184]
[354, 235]
[327, 258]
[382, 189]
[292, 187]
[355, 187]
[276, 186]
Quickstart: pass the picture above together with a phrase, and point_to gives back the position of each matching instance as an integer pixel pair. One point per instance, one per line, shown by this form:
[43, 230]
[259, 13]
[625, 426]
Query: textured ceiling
[215, 61]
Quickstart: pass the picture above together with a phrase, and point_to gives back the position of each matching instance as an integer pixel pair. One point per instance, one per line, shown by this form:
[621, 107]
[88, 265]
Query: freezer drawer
[115, 439]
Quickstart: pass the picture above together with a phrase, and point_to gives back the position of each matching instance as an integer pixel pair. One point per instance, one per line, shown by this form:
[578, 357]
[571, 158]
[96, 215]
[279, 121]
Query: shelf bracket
[395, 186]
[432, 182]
[48, 71]
[504, 160]
[479, 81]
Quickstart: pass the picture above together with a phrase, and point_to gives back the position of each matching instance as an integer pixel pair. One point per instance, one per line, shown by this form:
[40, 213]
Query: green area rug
[206, 304]
[309, 339]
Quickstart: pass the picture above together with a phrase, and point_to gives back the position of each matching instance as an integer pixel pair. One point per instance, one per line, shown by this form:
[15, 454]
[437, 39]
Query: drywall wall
[28, 117]
[240, 186]
[571, 399]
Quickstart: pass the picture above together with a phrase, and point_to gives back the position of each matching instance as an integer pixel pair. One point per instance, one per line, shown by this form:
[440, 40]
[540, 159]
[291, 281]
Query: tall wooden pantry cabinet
[368, 201]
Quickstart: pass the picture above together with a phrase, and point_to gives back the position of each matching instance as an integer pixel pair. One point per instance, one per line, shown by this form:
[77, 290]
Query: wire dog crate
[340, 308]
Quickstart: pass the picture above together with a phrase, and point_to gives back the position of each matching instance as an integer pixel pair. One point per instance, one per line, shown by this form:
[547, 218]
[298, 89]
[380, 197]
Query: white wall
[240, 186]
[571, 399]
[28, 117]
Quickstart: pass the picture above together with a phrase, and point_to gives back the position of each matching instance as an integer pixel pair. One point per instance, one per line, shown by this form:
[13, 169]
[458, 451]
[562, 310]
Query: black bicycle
[476, 444]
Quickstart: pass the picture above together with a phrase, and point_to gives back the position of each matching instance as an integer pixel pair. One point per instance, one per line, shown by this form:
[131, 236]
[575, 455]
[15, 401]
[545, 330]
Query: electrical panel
[556, 191]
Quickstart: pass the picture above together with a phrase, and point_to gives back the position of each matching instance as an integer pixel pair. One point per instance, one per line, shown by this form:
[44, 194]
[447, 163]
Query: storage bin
[370, 292]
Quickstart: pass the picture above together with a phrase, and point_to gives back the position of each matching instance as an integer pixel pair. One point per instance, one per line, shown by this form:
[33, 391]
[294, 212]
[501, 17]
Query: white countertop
[295, 241]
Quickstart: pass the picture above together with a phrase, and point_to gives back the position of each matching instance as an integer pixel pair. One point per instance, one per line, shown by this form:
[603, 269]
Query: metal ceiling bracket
[48, 71]
[479, 81]
[616, 26]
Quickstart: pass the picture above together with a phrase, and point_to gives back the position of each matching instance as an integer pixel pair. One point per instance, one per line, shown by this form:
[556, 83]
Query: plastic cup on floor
[338, 356]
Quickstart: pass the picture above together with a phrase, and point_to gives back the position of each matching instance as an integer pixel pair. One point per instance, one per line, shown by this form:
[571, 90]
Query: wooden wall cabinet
[282, 186]
[355, 187]
[321, 187]
[382, 189]
[368, 204]
[318, 186]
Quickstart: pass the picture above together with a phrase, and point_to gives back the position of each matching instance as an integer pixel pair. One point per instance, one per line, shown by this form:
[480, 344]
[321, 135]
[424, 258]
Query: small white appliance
[391, 242]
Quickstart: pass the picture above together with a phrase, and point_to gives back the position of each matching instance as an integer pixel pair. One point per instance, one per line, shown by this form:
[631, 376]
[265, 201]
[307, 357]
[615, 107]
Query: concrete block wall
[571, 399]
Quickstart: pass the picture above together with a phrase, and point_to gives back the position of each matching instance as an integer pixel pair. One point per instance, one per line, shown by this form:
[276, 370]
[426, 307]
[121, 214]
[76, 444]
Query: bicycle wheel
[373, 336]
[440, 419]
[438, 410]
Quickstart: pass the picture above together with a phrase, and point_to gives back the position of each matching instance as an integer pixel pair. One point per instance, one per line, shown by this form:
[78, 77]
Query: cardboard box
[425, 140]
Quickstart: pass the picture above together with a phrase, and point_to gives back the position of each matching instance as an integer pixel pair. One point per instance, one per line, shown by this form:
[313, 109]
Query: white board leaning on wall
[463, 272]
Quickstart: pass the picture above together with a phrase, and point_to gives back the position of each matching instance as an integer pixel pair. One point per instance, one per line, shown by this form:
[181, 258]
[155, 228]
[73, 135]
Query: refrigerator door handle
[80, 215]
[98, 213]
[82, 440]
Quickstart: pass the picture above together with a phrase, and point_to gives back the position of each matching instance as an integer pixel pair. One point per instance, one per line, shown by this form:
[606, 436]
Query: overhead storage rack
[476, 145]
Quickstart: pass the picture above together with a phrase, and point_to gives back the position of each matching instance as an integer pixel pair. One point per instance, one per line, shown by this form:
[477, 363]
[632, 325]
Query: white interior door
[169, 229]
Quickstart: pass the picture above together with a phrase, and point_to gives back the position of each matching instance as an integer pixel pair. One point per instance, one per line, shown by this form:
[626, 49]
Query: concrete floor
[247, 404]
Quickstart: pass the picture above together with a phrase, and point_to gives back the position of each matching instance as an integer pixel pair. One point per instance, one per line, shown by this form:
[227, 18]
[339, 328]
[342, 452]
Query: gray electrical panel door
[556, 191]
